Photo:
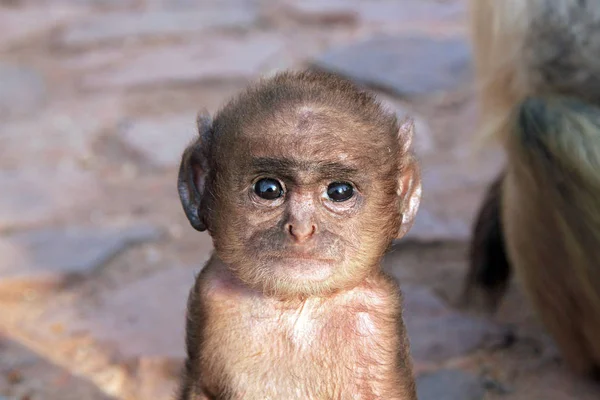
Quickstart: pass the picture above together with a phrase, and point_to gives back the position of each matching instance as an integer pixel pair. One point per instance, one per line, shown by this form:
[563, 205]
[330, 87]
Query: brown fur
[293, 303]
[487, 279]
[538, 69]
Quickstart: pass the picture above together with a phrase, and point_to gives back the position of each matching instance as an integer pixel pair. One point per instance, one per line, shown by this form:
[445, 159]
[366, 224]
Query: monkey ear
[409, 183]
[409, 191]
[193, 170]
[406, 133]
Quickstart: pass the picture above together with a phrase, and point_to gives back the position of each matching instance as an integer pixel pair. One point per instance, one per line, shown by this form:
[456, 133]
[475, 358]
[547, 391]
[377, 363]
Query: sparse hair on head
[276, 97]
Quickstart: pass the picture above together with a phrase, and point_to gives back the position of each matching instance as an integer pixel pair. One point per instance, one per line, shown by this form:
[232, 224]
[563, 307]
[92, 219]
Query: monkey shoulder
[380, 292]
[376, 299]
[217, 286]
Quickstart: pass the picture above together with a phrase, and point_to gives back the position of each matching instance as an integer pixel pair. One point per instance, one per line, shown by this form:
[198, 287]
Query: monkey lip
[305, 257]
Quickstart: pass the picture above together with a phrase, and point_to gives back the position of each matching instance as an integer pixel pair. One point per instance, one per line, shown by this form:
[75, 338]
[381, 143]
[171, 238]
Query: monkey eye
[340, 191]
[268, 189]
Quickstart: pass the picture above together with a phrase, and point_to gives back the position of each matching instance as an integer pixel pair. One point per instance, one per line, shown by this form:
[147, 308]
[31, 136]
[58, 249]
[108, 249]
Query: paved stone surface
[49, 257]
[95, 92]
[22, 90]
[57, 141]
[143, 319]
[103, 3]
[20, 24]
[20, 364]
[429, 227]
[33, 196]
[223, 58]
[449, 385]
[161, 141]
[156, 378]
[205, 5]
[408, 66]
[402, 12]
[119, 26]
[386, 11]
[452, 182]
[320, 12]
[436, 331]
[423, 142]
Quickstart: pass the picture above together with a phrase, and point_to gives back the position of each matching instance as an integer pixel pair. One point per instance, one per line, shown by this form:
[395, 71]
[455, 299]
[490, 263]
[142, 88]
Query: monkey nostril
[301, 233]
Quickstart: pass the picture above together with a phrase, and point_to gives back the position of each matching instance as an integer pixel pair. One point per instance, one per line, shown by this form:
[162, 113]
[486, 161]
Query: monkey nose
[301, 232]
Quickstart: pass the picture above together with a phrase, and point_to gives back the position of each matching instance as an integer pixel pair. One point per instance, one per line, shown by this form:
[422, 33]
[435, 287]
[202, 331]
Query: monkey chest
[265, 353]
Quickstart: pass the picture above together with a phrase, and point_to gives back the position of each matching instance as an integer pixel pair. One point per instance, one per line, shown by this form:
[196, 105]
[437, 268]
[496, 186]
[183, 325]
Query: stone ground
[97, 101]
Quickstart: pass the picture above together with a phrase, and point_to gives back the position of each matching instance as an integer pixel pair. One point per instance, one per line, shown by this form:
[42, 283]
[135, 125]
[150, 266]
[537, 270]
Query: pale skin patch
[303, 329]
[365, 325]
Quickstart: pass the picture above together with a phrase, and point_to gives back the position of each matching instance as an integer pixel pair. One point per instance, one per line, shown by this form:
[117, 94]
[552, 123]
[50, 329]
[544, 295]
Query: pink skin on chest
[349, 329]
[355, 309]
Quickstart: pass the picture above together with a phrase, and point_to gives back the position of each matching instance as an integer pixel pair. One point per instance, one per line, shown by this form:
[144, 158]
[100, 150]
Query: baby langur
[302, 181]
[538, 64]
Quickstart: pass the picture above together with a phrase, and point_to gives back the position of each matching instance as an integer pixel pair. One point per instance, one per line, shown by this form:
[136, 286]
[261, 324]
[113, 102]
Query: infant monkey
[302, 181]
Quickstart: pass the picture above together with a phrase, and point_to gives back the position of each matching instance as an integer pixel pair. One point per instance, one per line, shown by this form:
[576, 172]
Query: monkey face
[304, 215]
[303, 181]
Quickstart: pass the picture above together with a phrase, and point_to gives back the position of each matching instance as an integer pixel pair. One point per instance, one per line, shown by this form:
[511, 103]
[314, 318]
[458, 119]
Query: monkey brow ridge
[287, 166]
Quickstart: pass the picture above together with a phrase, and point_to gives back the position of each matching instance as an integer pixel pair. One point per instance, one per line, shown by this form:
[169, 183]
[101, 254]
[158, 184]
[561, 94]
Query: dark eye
[340, 191]
[268, 189]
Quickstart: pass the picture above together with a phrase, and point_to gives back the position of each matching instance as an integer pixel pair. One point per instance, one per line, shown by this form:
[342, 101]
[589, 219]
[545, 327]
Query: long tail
[556, 142]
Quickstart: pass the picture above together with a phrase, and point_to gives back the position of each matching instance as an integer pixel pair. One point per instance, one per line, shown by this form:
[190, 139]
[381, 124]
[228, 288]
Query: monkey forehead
[308, 136]
[315, 149]
[314, 119]
[316, 128]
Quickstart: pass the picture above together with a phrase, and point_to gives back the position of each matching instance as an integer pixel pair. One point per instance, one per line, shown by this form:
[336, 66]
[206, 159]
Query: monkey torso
[351, 345]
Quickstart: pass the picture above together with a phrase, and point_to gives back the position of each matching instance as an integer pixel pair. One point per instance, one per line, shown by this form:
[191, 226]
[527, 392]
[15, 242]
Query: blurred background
[97, 101]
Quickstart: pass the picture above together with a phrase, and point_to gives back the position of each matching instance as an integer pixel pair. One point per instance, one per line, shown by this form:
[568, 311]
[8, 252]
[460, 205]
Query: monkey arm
[192, 387]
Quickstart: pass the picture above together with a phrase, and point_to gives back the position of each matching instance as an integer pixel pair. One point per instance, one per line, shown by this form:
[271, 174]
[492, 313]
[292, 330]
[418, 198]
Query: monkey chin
[296, 275]
[298, 268]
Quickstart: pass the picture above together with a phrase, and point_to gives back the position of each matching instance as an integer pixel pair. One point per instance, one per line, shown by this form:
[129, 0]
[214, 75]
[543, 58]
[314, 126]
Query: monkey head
[302, 181]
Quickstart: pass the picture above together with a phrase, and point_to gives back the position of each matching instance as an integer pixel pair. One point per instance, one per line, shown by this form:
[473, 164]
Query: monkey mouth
[302, 256]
